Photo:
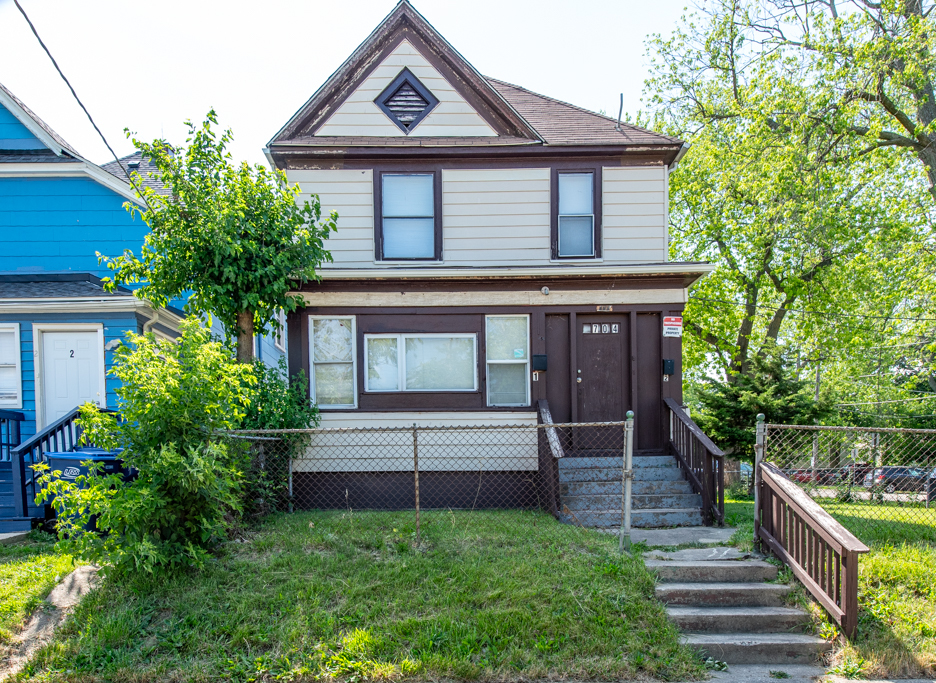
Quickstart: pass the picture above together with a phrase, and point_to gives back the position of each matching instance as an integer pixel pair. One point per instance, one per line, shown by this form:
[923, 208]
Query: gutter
[679, 155]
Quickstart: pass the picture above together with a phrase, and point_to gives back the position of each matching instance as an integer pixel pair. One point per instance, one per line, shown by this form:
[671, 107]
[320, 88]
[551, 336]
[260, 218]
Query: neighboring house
[496, 248]
[57, 325]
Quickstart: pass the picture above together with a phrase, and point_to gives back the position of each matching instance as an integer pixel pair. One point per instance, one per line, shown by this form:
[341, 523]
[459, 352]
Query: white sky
[150, 65]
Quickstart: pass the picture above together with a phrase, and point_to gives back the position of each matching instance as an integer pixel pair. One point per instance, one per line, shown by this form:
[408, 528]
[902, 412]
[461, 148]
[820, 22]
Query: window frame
[527, 361]
[436, 206]
[401, 338]
[17, 365]
[354, 362]
[279, 336]
[595, 171]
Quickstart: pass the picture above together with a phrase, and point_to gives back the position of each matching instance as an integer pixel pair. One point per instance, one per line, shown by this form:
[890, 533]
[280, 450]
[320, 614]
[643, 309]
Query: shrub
[275, 403]
[173, 400]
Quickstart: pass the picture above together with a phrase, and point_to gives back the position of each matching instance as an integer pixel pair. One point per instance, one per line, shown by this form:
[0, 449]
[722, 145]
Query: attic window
[406, 101]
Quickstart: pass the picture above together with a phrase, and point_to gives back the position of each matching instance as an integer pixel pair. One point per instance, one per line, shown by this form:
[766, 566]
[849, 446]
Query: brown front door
[603, 350]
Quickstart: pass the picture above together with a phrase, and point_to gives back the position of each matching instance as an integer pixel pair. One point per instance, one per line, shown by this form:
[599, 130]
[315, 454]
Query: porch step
[639, 462]
[647, 518]
[571, 474]
[638, 502]
[11, 524]
[718, 594]
[713, 571]
[746, 619]
[760, 648]
[638, 488]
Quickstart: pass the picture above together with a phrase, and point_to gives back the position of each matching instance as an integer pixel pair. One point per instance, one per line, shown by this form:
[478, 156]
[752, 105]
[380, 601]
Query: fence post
[758, 457]
[627, 478]
[416, 473]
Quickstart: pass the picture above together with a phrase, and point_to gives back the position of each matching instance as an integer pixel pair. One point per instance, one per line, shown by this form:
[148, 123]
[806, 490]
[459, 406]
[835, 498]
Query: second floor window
[408, 217]
[576, 215]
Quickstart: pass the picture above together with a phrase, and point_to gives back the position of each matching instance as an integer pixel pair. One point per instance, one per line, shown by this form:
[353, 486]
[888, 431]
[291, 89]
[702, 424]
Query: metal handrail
[702, 460]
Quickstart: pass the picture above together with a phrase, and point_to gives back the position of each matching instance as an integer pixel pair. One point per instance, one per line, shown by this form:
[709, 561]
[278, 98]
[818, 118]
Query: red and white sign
[672, 326]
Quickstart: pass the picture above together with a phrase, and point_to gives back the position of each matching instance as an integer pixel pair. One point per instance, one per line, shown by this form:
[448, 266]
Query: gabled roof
[404, 22]
[145, 167]
[36, 126]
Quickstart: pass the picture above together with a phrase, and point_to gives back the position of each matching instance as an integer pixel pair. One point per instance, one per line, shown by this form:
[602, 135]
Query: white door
[71, 372]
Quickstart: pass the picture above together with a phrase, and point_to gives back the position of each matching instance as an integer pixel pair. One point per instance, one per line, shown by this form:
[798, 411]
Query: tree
[793, 208]
[769, 387]
[234, 238]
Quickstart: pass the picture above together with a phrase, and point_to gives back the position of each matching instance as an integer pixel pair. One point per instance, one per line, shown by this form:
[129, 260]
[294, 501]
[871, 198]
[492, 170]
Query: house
[497, 248]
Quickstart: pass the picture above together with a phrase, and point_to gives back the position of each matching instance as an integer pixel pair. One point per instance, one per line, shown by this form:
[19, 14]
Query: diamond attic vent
[406, 101]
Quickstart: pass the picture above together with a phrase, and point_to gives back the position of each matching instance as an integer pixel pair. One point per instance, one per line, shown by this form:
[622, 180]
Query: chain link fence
[879, 483]
[562, 479]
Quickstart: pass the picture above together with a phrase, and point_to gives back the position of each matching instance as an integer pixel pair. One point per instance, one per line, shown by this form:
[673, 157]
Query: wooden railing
[61, 436]
[702, 460]
[9, 432]
[821, 552]
[550, 451]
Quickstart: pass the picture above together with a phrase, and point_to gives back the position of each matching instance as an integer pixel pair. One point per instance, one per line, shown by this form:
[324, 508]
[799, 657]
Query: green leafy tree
[174, 397]
[728, 409]
[234, 238]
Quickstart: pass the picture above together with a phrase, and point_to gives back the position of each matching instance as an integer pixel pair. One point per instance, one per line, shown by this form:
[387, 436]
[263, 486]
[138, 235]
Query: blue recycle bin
[71, 465]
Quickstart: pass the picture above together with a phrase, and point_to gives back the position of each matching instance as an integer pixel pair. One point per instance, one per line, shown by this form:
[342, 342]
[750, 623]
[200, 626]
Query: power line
[820, 313]
[80, 104]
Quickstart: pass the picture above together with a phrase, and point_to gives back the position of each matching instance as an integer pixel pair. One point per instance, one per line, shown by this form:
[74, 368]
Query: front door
[71, 372]
[603, 349]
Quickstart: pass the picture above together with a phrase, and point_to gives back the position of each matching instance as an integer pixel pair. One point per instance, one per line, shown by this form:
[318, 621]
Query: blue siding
[115, 327]
[14, 135]
[58, 224]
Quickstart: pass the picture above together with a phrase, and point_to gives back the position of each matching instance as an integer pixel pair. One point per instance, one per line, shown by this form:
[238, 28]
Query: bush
[174, 398]
[275, 403]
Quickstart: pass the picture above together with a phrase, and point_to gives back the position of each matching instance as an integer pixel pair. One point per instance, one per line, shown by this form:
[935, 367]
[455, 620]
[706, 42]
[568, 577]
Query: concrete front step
[722, 594]
[614, 474]
[639, 461]
[641, 502]
[718, 571]
[734, 619]
[763, 648]
[638, 488]
[639, 518]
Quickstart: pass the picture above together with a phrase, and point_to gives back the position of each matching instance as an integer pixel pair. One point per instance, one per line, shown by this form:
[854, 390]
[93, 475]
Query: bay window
[507, 344]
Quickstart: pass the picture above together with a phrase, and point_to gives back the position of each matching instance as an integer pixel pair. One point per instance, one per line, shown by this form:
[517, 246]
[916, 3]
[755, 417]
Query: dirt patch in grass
[486, 596]
[896, 636]
[28, 571]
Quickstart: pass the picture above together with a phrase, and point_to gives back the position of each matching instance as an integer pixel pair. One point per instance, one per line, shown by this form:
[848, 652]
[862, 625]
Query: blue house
[58, 327]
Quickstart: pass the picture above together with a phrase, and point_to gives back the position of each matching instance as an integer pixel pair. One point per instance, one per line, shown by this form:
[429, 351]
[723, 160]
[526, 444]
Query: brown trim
[378, 210]
[477, 310]
[386, 283]
[595, 170]
[300, 156]
[404, 23]
[573, 366]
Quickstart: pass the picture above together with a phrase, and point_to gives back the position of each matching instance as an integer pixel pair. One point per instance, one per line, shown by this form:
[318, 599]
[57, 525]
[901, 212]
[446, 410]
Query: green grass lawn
[488, 596]
[28, 571]
[896, 589]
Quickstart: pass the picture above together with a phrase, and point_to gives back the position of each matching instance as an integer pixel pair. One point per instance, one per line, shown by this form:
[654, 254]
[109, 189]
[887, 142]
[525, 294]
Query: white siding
[495, 217]
[439, 450]
[351, 194]
[634, 215]
[452, 117]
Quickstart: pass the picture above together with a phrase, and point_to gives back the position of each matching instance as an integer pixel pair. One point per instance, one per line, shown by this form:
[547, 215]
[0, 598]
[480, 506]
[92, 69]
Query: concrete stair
[590, 492]
[726, 609]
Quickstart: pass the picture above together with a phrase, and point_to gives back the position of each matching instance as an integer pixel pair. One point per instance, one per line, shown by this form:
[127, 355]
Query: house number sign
[601, 328]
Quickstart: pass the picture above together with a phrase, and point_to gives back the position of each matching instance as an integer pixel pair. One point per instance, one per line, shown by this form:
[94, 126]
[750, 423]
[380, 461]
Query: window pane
[9, 385]
[576, 236]
[8, 350]
[334, 384]
[407, 195]
[382, 369]
[440, 363]
[331, 339]
[408, 238]
[507, 338]
[575, 193]
[507, 384]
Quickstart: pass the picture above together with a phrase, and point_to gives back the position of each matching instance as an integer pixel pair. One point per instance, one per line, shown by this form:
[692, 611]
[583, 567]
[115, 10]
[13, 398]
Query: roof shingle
[146, 168]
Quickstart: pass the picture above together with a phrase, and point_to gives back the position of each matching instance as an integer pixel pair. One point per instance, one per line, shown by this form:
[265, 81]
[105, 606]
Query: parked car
[854, 473]
[891, 479]
[819, 476]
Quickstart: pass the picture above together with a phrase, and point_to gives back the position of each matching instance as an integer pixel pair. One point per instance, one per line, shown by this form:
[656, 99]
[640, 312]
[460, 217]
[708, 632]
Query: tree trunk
[245, 337]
